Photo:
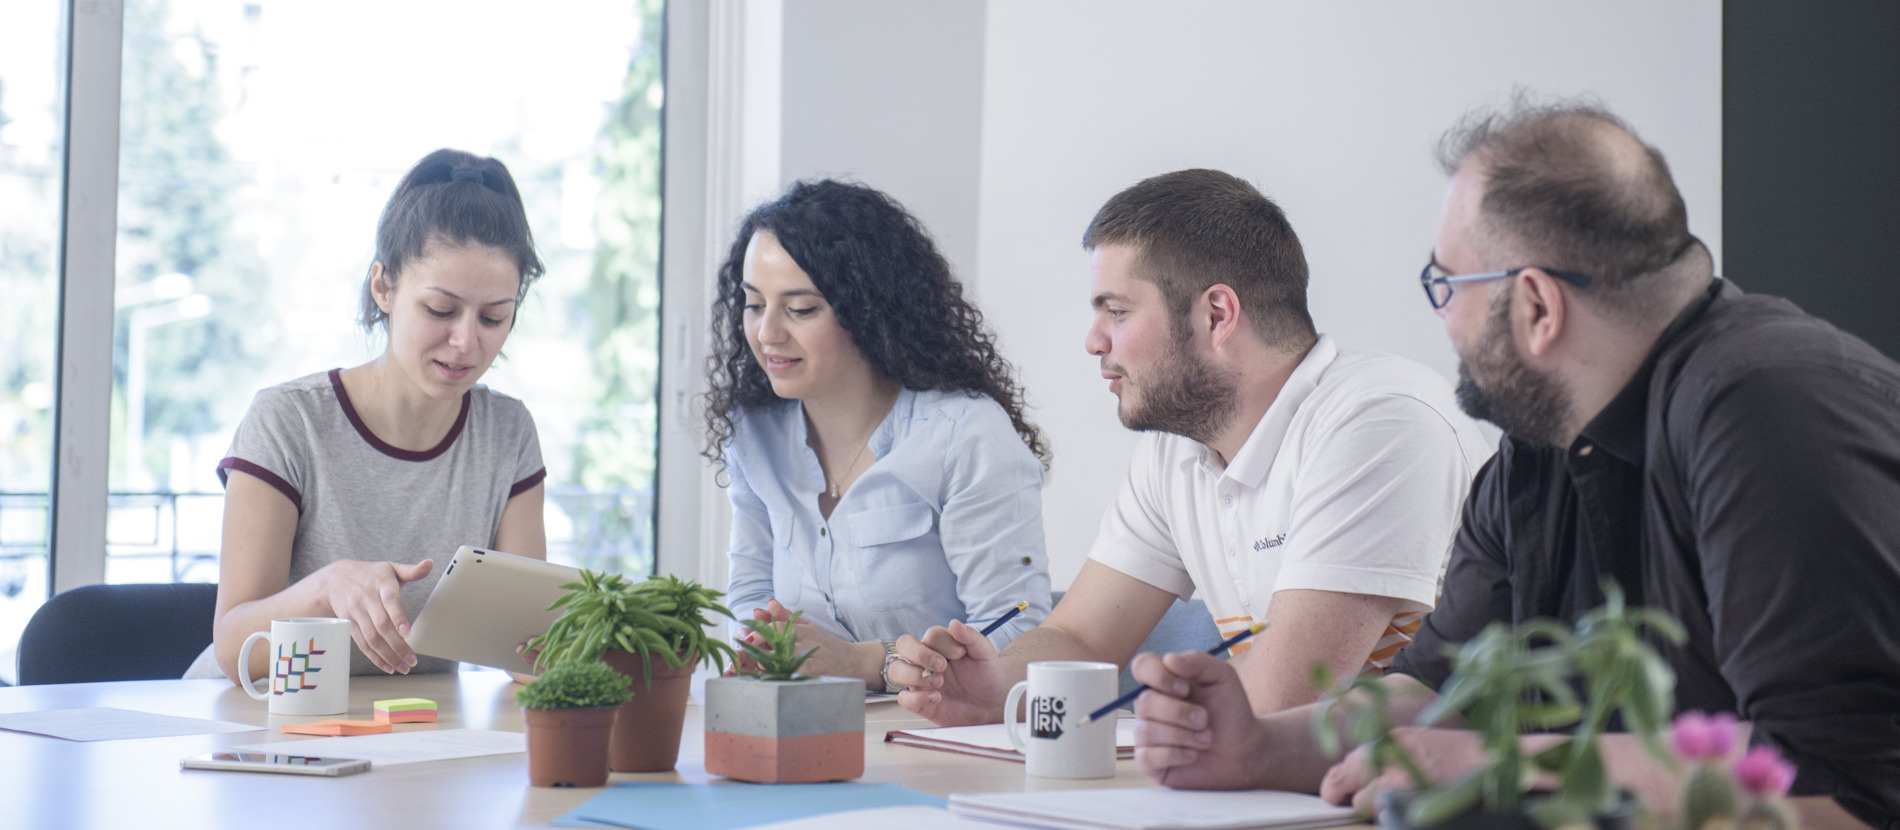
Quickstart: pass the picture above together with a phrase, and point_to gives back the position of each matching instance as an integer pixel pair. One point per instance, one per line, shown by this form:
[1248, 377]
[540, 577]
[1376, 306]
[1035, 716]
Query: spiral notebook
[1153, 808]
[990, 741]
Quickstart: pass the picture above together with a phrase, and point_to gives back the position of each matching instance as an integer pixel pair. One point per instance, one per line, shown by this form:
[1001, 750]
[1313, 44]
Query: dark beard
[1187, 397]
[1527, 404]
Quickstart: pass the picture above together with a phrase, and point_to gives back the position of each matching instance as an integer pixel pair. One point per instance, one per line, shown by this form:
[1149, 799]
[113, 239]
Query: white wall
[1331, 108]
[903, 114]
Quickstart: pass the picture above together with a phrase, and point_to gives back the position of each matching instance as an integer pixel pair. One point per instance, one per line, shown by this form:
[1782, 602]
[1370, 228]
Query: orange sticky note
[336, 727]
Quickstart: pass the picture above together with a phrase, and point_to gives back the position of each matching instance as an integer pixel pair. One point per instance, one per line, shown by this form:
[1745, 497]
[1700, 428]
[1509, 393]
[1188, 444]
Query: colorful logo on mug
[293, 671]
[1045, 716]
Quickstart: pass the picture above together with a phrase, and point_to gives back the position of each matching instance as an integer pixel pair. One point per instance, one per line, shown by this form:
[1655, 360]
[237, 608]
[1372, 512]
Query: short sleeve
[1376, 502]
[272, 444]
[528, 468]
[1134, 537]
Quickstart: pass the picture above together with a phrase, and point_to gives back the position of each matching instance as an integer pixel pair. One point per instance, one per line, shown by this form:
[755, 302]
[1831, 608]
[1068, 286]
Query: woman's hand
[369, 594]
[834, 656]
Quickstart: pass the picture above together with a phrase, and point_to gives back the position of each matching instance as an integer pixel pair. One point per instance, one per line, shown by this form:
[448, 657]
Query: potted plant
[778, 726]
[569, 713]
[1507, 681]
[1720, 795]
[628, 624]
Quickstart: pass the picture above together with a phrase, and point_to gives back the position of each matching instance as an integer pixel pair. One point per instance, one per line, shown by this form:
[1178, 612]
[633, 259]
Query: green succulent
[576, 686]
[780, 659]
[663, 615]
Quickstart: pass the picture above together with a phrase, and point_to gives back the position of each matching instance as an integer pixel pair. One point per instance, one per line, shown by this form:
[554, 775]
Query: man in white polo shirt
[1283, 478]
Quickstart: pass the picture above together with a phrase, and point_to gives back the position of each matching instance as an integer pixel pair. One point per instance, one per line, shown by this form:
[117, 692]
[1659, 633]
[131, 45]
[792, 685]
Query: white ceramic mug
[1061, 693]
[309, 668]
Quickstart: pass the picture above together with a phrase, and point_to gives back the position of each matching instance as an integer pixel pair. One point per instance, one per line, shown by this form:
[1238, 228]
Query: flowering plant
[1720, 796]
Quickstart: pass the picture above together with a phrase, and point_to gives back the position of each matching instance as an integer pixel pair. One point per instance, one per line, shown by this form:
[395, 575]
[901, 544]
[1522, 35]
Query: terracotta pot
[647, 732]
[568, 747]
[785, 732]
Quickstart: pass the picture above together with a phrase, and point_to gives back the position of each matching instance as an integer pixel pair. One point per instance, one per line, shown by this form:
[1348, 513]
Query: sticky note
[414, 716]
[406, 710]
[337, 726]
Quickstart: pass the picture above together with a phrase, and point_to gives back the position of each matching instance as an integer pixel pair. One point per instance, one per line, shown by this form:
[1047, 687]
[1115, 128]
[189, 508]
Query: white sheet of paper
[391, 748]
[882, 818]
[113, 724]
[1153, 808]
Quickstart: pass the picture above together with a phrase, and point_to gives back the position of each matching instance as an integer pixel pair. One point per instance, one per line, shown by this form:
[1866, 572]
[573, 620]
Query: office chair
[117, 632]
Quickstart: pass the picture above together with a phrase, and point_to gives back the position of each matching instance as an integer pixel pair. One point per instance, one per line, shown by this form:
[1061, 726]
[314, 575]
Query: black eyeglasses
[1438, 283]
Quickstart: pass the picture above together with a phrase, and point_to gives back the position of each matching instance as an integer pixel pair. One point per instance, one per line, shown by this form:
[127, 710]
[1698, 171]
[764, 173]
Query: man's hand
[1197, 730]
[1444, 754]
[965, 685]
[369, 594]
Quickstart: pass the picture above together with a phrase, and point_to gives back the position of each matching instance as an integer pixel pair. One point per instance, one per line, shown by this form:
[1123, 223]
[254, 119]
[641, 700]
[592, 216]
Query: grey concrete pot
[785, 731]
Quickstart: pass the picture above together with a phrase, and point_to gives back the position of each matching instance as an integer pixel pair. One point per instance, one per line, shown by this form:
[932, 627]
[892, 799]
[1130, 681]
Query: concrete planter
[789, 732]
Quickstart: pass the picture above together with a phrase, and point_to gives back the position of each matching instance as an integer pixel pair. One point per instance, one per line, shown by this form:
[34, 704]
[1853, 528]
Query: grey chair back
[117, 632]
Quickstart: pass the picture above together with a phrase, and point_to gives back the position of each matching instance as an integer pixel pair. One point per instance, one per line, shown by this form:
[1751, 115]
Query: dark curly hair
[890, 289]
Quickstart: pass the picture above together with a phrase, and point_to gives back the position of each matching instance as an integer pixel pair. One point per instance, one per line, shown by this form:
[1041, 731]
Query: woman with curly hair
[883, 478]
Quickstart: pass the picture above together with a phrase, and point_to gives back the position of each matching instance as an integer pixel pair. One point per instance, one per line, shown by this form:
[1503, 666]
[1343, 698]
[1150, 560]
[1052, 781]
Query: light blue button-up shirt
[945, 524]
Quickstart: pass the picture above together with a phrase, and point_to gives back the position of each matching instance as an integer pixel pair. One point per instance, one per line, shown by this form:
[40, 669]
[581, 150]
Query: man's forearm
[1044, 642]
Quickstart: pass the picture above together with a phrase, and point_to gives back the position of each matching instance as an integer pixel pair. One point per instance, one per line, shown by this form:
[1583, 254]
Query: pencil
[991, 628]
[1126, 699]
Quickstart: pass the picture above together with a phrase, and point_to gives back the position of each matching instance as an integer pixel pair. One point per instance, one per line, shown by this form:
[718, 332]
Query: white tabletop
[53, 783]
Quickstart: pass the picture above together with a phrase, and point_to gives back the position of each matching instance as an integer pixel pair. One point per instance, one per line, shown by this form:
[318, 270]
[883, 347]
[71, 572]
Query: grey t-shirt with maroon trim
[359, 498]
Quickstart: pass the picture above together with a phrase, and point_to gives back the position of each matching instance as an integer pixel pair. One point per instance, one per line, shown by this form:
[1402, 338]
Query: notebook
[1153, 808]
[990, 741]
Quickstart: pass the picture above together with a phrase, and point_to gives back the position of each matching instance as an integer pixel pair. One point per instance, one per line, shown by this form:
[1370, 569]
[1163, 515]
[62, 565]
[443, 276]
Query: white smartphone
[267, 762]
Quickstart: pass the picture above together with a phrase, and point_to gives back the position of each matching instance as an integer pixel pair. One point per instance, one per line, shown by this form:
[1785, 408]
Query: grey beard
[1527, 405]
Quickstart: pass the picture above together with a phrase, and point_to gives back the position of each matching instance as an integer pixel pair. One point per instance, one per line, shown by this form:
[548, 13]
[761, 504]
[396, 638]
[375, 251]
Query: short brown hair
[1193, 229]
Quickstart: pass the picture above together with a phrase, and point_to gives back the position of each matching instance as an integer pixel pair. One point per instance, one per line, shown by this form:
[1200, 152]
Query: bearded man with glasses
[1722, 456]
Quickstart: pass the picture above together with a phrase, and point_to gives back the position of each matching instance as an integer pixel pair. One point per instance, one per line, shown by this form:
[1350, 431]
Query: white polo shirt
[1352, 481]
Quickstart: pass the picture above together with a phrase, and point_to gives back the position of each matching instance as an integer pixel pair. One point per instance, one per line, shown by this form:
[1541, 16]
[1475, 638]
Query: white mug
[1062, 693]
[309, 667]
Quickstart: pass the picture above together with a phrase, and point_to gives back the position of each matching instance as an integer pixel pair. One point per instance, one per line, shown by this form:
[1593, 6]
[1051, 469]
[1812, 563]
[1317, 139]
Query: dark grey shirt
[1747, 481]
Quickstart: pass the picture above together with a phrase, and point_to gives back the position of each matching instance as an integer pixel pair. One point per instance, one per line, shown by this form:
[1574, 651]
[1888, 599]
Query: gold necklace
[833, 485]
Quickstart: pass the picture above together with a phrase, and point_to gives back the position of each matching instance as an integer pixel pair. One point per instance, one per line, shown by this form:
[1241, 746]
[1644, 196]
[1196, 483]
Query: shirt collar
[1621, 428]
[879, 445]
[1249, 466]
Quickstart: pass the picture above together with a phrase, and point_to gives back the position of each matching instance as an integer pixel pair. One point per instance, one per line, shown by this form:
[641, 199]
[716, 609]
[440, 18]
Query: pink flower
[1700, 737]
[1764, 772]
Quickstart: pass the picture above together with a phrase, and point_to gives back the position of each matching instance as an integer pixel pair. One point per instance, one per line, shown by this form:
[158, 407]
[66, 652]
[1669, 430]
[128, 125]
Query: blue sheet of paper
[659, 805]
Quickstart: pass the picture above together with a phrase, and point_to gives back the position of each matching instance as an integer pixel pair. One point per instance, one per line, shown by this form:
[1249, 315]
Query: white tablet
[486, 604]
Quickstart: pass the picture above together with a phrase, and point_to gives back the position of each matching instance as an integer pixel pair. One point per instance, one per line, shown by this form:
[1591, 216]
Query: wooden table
[54, 783]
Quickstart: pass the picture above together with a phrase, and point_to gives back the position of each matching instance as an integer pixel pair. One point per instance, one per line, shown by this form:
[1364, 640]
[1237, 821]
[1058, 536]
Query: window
[31, 154]
[255, 157]
[258, 142]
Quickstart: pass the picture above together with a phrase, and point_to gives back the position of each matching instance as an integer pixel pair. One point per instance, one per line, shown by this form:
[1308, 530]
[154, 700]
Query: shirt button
[821, 531]
[1227, 501]
[1583, 450]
